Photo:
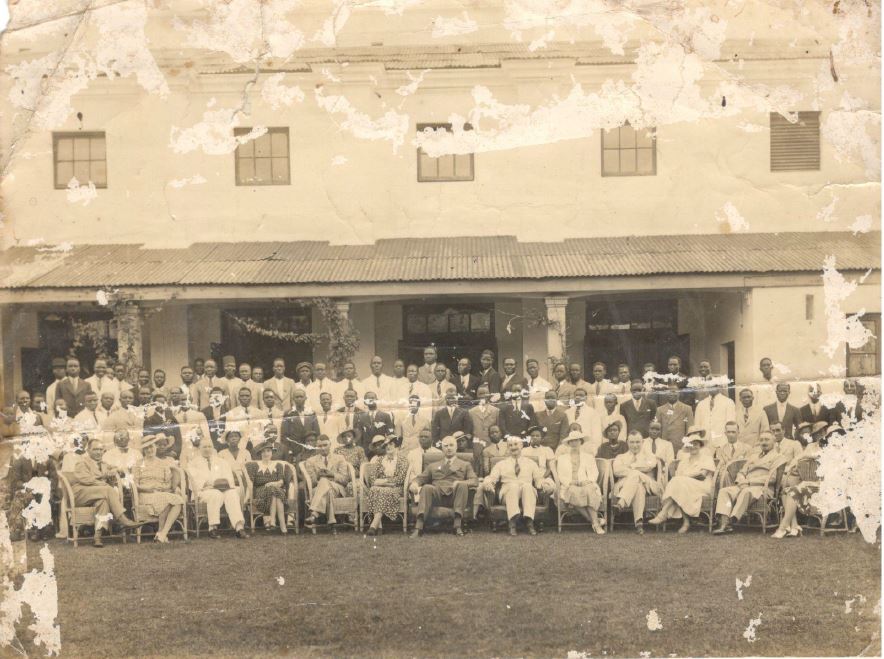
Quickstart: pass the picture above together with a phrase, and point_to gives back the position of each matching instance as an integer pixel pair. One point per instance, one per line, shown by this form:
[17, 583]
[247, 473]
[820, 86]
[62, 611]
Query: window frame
[237, 132]
[439, 179]
[653, 148]
[60, 135]
[876, 319]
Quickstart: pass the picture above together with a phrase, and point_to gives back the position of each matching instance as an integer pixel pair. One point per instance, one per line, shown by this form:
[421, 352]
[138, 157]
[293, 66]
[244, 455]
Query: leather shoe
[96, 542]
[417, 533]
[531, 529]
[241, 534]
[214, 534]
[127, 523]
[458, 531]
[513, 531]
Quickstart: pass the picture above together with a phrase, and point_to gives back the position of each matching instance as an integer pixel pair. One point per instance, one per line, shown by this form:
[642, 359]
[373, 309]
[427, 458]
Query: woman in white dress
[578, 480]
[694, 479]
[635, 479]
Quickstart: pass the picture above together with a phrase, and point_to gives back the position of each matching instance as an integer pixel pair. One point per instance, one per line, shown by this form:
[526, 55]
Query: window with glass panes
[866, 359]
[263, 160]
[450, 167]
[81, 156]
[627, 151]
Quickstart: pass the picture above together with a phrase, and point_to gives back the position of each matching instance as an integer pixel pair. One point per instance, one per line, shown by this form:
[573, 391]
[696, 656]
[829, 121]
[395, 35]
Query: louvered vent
[795, 146]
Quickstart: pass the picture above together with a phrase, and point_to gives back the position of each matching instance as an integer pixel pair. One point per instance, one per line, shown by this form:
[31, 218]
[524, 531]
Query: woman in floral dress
[386, 477]
[157, 480]
[270, 480]
[797, 493]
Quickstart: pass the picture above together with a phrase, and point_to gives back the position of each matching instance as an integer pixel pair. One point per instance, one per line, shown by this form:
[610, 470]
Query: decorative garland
[340, 336]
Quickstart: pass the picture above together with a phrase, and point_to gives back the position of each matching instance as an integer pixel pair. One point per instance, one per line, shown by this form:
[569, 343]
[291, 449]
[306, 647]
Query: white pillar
[343, 308]
[556, 346]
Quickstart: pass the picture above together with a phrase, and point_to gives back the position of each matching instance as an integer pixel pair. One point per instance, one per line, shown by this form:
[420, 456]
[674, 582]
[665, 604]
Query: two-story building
[669, 183]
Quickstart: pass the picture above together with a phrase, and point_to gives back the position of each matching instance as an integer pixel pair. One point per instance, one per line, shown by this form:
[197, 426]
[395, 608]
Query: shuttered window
[263, 160]
[80, 156]
[795, 146]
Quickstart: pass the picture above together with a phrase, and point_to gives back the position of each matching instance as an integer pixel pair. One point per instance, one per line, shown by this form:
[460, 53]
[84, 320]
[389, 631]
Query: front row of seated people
[520, 471]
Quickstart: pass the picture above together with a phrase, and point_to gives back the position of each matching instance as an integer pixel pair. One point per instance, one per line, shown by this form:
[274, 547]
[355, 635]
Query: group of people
[502, 438]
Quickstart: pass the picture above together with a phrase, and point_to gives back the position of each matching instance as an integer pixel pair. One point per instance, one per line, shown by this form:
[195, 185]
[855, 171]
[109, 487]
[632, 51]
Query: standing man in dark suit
[814, 410]
[449, 419]
[488, 376]
[444, 483]
[466, 382]
[297, 426]
[784, 413]
[73, 388]
[639, 411]
[510, 377]
[553, 420]
[372, 422]
[516, 414]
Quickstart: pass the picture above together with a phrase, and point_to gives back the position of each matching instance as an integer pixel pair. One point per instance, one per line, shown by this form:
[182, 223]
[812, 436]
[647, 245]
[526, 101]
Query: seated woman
[797, 493]
[693, 480]
[157, 483]
[270, 480]
[633, 472]
[578, 480]
[386, 476]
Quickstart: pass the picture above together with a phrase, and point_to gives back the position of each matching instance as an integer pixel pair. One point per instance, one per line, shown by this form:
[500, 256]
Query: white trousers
[517, 493]
[215, 499]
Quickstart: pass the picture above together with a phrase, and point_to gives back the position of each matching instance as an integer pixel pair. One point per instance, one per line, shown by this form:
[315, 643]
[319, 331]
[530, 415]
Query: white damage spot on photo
[742, 584]
[862, 224]
[214, 134]
[730, 216]
[391, 126]
[277, 95]
[38, 594]
[280, 581]
[179, 183]
[454, 26]
[749, 632]
[654, 623]
[81, 194]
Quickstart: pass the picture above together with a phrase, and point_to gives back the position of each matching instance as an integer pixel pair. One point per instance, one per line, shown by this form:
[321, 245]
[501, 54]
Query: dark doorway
[85, 335]
[258, 346]
[456, 330]
[731, 356]
[634, 332]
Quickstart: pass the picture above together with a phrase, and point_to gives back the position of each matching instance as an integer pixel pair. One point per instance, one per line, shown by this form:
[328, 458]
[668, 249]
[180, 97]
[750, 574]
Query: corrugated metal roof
[468, 258]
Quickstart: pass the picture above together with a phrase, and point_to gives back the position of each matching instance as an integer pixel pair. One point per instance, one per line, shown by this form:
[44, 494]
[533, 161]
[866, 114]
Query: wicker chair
[497, 511]
[441, 512]
[291, 504]
[76, 517]
[653, 502]
[346, 505]
[807, 471]
[363, 490]
[197, 511]
[767, 507]
[605, 480]
[707, 503]
[141, 515]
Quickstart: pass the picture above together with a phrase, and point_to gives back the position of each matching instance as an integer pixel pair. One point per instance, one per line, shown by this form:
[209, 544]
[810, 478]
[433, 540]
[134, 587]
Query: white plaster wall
[387, 333]
[168, 333]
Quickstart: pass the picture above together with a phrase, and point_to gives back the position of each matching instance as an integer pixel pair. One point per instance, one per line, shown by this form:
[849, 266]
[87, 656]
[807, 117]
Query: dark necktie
[439, 388]
[516, 468]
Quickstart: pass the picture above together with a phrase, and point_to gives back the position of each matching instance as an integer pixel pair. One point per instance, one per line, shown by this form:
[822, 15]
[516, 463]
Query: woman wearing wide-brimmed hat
[578, 479]
[157, 485]
[386, 477]
[270, 480]
[693, 480]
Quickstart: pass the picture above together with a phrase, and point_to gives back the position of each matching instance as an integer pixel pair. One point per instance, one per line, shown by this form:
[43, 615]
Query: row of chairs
[351, 510]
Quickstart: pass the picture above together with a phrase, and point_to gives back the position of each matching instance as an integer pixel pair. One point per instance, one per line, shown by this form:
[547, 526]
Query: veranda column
[556, 346]
[129, 328]
[343, 308]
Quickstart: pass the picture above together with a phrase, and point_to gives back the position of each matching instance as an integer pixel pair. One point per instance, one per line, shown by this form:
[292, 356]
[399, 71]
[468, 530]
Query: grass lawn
[485, 595]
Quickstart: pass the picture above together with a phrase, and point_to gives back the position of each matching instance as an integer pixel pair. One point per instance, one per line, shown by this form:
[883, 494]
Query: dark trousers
[431, 496]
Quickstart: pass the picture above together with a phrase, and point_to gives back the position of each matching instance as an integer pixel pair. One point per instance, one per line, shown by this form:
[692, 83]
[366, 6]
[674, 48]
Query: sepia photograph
[440, 328]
